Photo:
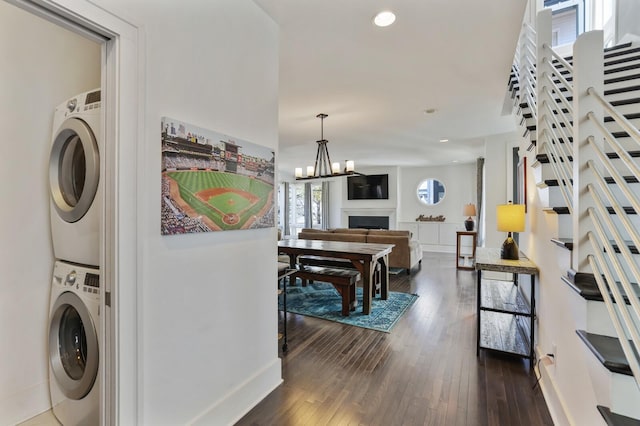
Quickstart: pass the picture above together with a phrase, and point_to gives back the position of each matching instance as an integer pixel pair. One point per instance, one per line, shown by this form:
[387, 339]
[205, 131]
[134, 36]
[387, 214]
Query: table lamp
[510, 219]
[469, 210]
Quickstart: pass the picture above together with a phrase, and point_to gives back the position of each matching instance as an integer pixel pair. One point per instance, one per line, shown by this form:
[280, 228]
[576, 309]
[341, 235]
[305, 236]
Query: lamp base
[468, 224]
[510, 250]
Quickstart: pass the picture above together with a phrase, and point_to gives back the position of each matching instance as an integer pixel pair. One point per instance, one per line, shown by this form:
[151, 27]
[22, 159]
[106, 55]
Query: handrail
[565, 190]
[560, 59]
[622, 245]
[529, 28]
[555, 119]
[530, 98]
[563, 80]
[613, 314]
[563, 170]
[619, 118]
[560, 131]
[626, 285]
[618, 149]
[613, 229]
[530, 51]
[617, 177]
[554, 116]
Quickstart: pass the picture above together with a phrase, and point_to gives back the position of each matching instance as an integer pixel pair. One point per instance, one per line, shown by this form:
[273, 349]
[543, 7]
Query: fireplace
[364, 213]
[369, 222]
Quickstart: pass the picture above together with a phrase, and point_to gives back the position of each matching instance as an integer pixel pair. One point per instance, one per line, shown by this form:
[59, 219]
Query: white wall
[209, 322]
[208, 302]
[41, 66]
[560, 312]
[460, 188]
[459, 181]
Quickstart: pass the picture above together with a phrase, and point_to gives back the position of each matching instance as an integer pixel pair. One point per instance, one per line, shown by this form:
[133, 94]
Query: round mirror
[431, 191]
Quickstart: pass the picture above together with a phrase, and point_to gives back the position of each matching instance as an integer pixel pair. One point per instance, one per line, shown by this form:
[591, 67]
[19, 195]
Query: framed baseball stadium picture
[213, 182]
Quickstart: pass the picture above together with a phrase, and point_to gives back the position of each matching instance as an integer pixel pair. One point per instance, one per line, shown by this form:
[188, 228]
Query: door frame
[122, 71]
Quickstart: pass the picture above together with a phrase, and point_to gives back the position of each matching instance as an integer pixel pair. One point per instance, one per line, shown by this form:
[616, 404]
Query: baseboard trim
[553, 399]
[240, 400]
[25, 404]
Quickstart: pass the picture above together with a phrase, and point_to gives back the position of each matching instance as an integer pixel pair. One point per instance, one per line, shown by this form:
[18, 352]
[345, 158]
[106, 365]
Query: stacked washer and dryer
[74, 178]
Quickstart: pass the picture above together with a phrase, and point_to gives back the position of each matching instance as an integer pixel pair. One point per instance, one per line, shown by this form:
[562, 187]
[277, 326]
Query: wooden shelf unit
[505, 320]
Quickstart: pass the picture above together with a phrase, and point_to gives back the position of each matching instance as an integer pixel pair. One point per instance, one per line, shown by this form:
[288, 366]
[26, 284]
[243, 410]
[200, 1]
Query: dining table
[363, 256]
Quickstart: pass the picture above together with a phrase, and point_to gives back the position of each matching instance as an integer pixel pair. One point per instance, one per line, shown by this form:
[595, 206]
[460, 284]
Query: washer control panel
[77, 278]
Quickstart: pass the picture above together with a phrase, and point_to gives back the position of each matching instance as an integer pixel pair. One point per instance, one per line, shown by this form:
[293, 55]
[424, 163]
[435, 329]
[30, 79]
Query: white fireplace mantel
[370, 212]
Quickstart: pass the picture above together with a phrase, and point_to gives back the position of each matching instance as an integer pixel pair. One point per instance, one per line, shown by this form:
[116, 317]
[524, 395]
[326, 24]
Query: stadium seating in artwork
[211, 182]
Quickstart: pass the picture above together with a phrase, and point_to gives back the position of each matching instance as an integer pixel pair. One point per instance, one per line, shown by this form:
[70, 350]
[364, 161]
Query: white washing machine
[73, 344]
[74, 179]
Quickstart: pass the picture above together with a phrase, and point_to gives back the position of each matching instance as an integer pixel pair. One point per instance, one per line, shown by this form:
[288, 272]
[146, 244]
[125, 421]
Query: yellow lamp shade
[510, 217]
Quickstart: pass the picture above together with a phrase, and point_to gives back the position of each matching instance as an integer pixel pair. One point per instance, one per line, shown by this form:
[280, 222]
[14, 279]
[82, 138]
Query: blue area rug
[322, 300]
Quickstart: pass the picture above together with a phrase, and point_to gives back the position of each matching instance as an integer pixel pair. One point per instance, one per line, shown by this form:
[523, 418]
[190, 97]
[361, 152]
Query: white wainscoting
[434, 236]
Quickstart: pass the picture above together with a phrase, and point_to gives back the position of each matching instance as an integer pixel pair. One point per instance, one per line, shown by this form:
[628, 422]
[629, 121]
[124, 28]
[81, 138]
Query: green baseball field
[227, 200]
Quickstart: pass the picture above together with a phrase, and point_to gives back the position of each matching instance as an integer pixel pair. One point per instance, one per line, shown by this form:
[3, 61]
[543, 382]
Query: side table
[505, 319]
[474, 238]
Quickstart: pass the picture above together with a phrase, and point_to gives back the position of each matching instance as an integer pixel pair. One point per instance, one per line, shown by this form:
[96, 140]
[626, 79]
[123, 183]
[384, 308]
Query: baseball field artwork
[213, 182]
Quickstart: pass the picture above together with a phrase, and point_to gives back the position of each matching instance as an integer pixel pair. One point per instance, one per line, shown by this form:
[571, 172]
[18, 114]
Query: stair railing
[525, 59]
[586, 159]
[613, 266]
[626, 125]
[555, 112]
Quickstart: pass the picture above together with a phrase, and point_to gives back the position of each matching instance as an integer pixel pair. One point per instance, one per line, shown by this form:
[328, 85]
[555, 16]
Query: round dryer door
[74, 169]
[73, 346]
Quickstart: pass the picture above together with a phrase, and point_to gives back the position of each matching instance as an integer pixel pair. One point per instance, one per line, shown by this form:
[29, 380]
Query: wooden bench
[332, 262]
[344, 280]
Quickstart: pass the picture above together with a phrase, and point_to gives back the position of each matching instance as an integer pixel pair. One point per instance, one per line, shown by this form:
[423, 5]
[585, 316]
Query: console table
[505, 321]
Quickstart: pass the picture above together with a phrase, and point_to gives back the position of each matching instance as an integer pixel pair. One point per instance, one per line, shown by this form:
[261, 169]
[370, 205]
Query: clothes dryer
[74, 179]
[73, 344]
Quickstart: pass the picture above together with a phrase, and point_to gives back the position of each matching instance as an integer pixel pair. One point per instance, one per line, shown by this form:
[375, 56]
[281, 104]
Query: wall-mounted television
[369, 187]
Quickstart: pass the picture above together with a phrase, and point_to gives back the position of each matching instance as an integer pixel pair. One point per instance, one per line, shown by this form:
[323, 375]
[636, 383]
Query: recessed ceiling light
[455, 161]
[443, 140]
[384, 18]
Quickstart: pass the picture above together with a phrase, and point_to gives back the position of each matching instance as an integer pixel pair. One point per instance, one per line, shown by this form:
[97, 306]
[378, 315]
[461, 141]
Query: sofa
[406, 253]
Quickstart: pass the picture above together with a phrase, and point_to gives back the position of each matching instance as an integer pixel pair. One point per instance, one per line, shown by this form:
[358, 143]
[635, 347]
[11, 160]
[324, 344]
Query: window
[296, 208]
[305, 207]
[564, 25]
[570, 18]
[316, 205]
[430, 191]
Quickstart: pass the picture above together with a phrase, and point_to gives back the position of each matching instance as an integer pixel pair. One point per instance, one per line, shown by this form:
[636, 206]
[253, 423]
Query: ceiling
[375, 84]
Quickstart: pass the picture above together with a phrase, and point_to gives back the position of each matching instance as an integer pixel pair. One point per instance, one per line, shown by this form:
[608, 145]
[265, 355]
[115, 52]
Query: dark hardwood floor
[425, 372]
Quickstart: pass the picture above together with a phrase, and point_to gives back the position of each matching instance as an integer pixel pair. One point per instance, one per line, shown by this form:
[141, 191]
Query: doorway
[118, 66]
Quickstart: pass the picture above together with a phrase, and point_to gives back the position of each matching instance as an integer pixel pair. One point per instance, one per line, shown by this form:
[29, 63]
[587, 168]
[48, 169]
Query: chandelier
[323, 167]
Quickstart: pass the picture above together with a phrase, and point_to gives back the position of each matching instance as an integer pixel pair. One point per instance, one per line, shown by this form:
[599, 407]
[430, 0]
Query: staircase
[579, 118]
